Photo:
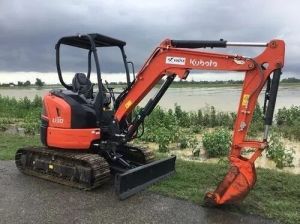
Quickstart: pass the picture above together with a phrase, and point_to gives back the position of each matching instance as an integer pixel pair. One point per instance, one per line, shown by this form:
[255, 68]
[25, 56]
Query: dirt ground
[25, 199]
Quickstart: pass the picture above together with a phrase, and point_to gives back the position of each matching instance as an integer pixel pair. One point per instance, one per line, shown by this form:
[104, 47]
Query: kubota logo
[175, 60]
[203, 63]
[58, 120]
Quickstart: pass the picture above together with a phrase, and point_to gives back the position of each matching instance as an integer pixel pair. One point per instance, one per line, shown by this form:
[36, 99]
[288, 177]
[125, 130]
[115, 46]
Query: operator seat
[82, 85]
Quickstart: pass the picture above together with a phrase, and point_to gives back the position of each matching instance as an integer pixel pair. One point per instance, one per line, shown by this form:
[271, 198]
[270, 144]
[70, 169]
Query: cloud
[30, 29]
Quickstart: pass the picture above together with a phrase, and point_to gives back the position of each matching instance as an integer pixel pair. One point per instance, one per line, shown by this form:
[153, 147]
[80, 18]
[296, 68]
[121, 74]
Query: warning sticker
[245, 99]
[128, 104]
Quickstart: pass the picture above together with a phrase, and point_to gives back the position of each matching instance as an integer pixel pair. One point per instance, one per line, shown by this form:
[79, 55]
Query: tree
[20, 83]
[39, 82]
[27, 83]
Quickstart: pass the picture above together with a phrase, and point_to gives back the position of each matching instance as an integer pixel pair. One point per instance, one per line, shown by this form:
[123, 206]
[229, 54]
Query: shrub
[22, 111]
[288, 122]
[277, 152]
[257, 124]
[196, 129]
[287, 116]
[183, 118]
[163, 139]
[183, 142]
[217, 142]
[186, 141]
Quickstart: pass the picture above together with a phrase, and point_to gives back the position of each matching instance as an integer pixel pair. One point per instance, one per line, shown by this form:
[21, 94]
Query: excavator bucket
[137, 179]
[237, 183]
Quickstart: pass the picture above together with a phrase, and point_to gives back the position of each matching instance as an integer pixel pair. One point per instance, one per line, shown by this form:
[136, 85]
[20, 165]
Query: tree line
[38, 82]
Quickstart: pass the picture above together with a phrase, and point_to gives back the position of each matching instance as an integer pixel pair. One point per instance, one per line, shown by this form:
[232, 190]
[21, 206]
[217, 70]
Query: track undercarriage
[91, 170]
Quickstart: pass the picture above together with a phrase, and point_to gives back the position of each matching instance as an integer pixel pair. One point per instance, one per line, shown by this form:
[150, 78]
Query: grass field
[276, 194]
[10, 143]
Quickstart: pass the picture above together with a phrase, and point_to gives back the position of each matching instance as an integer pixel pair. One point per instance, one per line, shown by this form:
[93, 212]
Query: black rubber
[81, 170]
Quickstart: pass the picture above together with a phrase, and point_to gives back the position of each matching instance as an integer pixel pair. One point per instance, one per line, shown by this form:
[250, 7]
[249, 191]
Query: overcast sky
[29, 29]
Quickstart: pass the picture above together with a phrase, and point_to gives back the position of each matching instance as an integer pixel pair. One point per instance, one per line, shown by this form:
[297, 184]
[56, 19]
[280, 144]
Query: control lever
[111, 92]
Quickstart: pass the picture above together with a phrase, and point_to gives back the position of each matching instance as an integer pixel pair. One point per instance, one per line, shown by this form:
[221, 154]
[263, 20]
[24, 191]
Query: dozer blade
[137, 179]
[237, 183]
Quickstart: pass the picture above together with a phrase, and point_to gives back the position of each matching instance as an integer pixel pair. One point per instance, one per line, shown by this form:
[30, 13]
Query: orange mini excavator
[86, 133]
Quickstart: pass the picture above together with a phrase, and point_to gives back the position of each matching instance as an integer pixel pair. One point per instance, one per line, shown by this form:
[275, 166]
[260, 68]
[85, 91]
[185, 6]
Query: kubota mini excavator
[86, 135]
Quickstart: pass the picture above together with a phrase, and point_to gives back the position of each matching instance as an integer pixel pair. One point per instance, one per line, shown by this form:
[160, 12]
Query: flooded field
[191, 99]
[261, 162]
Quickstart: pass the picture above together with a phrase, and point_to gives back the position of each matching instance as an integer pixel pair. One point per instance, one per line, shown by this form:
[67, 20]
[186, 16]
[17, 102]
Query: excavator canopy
[82, 41]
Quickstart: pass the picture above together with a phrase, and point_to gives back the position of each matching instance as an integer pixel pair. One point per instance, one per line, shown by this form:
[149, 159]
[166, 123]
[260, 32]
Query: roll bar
[91, 42]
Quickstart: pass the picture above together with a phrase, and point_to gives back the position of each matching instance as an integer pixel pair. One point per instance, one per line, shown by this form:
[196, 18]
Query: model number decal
[175, 60]
[58, 120]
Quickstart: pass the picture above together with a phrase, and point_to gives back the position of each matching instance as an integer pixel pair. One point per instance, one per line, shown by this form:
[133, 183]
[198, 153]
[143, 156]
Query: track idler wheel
[237, 183]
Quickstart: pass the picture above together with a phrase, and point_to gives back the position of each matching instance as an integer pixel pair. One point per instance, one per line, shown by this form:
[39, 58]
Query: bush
[183, 118]
[183, 142]
[257, 124]
[158, 125]
[282, 156]
[25, 112]
[287, 116]
[186, 140]
[288, 122]
[217, 143]
[163, 139]
[196, 129]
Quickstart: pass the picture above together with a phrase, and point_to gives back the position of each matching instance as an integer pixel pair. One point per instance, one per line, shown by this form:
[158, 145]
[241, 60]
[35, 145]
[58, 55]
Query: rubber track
[99, 166]
[148, 153]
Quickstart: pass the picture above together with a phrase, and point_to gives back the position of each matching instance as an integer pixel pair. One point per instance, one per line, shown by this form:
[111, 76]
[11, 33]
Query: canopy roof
[100, 40]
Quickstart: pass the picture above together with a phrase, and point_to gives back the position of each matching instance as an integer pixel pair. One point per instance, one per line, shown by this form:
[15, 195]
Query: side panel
[58, 110]
[71, 138]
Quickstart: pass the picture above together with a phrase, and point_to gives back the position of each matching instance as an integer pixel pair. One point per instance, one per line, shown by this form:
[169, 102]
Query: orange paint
[72, 138]
[168, 60]
[58, 111]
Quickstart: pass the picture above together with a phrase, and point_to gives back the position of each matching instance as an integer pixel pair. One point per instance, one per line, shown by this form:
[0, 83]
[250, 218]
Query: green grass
[276, 195]
[10, 143]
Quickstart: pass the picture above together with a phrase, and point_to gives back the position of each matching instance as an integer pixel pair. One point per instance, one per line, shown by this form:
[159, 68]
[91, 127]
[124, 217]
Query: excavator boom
[176, 58]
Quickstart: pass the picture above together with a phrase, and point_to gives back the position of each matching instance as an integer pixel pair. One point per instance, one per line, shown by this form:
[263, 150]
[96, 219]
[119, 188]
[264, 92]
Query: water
[223, 99]
[191, 99]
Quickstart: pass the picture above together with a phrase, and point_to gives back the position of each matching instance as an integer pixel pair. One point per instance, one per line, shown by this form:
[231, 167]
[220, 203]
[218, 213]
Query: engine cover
[68, 121]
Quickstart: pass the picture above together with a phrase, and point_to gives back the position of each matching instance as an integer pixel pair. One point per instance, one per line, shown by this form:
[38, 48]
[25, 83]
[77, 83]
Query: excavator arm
[176, 58]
